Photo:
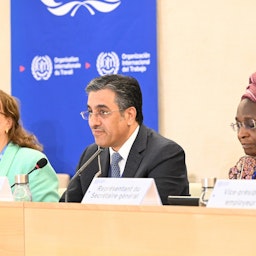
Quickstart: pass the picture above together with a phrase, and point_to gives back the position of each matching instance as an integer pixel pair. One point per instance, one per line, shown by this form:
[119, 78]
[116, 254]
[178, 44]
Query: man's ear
[131, 115]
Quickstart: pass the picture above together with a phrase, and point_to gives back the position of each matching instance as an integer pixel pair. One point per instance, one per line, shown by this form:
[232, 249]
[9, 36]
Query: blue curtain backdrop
[58, 47]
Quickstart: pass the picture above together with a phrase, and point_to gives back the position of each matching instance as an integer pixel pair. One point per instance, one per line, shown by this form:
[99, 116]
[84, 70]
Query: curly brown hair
[9, 106]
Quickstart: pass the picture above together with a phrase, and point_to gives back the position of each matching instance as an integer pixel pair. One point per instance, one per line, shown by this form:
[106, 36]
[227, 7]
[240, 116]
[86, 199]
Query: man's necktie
[115, 170]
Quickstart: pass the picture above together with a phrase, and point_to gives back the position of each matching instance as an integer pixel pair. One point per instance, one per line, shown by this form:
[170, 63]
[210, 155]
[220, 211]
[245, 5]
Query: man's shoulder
[156, 139]
[90, 150]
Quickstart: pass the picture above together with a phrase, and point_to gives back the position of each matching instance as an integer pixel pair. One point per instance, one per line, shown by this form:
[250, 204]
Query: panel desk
[79, 229]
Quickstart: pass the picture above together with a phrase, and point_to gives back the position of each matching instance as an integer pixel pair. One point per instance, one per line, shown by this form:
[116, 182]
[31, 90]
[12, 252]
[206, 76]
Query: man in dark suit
[116, 120]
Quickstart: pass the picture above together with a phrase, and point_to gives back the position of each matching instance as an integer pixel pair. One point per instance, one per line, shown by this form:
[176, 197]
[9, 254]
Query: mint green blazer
[43, 182]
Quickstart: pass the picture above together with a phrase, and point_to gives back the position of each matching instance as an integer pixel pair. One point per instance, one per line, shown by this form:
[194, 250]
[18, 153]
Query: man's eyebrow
[99, 106]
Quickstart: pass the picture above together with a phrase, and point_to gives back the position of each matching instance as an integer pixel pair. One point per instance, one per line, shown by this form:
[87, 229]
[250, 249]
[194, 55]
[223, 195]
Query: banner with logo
[57, 47]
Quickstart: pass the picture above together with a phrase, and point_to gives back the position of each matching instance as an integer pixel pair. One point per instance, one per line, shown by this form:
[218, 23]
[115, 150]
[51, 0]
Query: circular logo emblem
[107, 63]
[41, 67]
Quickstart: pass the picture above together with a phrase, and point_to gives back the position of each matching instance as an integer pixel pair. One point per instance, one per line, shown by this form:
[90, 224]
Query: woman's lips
[245, 145]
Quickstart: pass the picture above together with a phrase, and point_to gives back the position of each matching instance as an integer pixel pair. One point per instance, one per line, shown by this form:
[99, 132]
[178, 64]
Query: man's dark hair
[126, 88]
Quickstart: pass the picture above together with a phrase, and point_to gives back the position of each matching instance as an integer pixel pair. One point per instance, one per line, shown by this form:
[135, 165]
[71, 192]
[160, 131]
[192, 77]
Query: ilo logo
[41, 67]
[107, 63]
[60, 9]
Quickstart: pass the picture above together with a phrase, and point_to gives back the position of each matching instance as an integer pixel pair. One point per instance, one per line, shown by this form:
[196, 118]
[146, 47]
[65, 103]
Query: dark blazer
[151, 156]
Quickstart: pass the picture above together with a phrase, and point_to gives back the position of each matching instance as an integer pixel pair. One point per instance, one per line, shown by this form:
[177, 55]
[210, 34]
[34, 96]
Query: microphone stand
[81, 169]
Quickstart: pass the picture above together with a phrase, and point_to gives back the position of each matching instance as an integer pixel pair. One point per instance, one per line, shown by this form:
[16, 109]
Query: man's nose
[94, 119]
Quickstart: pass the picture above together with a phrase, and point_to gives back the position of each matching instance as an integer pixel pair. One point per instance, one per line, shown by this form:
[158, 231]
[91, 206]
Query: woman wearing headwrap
[245, 126]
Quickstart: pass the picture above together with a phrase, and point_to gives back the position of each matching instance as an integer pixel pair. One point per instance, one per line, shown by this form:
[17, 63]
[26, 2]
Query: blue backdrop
[58, 47]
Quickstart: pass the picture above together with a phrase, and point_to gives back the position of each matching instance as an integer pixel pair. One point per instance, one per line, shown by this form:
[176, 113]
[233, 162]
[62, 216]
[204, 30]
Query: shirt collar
[126, 147]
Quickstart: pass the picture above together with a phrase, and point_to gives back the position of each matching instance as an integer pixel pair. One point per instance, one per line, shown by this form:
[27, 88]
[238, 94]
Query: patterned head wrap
[250, 92]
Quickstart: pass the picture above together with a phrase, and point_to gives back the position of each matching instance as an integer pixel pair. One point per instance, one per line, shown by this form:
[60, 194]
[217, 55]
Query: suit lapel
[104, 160]
[136, 153]
[134, 159]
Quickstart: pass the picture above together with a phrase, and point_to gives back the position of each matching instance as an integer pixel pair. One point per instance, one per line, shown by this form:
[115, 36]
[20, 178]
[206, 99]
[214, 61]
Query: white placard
[233, 194]
[5, 189]
[122, 191]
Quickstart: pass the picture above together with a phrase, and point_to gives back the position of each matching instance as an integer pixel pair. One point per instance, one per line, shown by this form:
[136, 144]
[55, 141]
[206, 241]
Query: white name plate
[233, 194]
[5, 189]
[122, 191]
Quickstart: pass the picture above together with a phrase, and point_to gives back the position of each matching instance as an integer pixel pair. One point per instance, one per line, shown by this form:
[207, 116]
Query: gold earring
[6, 131]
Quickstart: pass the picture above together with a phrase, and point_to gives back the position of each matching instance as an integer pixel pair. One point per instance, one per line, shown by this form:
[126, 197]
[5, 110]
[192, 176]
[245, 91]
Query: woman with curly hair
[20, 151]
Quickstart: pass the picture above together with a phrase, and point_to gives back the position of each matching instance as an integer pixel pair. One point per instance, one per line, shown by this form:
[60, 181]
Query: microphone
[40, 164]
[81, 169]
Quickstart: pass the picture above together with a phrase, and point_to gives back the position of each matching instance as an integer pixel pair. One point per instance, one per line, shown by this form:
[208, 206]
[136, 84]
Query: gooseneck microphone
[81, 169]
[40, 164]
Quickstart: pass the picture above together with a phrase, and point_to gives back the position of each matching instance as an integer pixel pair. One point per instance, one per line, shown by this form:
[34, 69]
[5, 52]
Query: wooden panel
[11, 229]
[75, 229]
